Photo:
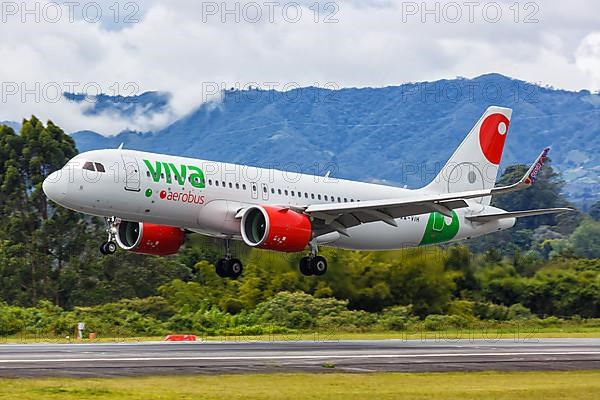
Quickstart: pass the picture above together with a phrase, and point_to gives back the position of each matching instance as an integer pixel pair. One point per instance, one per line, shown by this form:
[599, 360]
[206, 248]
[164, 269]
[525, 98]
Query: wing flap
[517, 214]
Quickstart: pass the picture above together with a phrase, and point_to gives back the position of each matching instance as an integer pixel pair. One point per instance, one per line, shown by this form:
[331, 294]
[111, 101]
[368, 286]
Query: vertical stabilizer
[474, 165]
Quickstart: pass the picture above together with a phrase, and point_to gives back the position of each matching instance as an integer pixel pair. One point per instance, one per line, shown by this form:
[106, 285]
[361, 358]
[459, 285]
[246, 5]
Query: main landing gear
[313, 264]
[229, 267]
[110, 246]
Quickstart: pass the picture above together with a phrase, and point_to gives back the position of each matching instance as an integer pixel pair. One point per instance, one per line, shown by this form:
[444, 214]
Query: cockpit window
[89, 166]
[100, 167]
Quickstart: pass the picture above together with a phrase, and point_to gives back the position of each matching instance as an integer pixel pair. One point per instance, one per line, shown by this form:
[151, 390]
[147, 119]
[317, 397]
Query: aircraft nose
[55, 186]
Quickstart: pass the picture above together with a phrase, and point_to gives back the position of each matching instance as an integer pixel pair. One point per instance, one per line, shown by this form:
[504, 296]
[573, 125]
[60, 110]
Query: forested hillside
[52, 274]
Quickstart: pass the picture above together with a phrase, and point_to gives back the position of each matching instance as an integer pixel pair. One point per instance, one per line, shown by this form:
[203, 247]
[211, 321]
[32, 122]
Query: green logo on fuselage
[181, 173]
[437, 231]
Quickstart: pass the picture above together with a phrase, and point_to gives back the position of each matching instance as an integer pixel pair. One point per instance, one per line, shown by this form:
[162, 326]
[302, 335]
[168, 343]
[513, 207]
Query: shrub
[435, 322]
[490, 311]
[519, 311]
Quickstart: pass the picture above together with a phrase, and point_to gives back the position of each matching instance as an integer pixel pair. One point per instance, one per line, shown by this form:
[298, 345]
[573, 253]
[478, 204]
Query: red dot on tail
[492, 136]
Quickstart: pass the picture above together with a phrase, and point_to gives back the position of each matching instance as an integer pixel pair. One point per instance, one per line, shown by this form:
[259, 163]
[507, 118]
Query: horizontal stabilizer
[517, 214]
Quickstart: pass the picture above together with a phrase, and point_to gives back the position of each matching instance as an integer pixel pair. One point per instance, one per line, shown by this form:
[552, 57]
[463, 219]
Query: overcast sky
[188, 47]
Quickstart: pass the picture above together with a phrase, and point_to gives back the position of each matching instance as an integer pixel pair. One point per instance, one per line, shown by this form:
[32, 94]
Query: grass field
[464, 386]
[524, 333]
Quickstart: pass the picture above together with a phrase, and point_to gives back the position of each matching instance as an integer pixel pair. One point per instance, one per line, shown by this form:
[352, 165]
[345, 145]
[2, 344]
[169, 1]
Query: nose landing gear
[110, 246]
[229, 267]
[313, 264]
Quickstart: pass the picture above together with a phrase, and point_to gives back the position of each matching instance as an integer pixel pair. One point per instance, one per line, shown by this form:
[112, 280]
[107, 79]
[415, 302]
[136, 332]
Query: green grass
[464, 386]
[523, 333]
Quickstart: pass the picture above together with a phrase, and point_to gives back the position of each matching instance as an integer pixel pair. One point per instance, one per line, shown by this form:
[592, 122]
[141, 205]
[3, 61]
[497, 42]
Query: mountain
[398, 134]
[147, 103]
[15, 125]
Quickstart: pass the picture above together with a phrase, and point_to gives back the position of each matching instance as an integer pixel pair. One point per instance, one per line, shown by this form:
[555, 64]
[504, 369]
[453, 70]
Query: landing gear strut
[313, 264]
[110, 246]
[229, 267]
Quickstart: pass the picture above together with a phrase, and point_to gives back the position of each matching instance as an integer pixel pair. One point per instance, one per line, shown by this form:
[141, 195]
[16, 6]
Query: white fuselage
[167, 190]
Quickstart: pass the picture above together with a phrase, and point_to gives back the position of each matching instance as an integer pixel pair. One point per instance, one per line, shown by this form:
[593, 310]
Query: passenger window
[237, 185]
[345, 200]
[312, 196]
[278, 191]
[264, 189]
[224, 185]
[216, 183]
[351, 200]
[210, 182]
[325, 197]
[306, 195]
[100, 167]
[148, 174]
[286, 192]
[230, 185]
[292, 193]
[244, 186]
[89, 166]
[319, 196]
[332, 199]
[272, 191]
[339, 200]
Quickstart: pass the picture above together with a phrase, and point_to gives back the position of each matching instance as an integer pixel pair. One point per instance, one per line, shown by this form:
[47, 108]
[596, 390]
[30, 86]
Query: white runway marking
[292, 357]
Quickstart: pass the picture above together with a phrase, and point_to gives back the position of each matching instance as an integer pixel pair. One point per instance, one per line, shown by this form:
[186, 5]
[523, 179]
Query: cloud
[189, 49]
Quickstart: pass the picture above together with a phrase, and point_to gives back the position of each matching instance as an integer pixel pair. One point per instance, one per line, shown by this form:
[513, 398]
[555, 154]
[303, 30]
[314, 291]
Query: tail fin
[474, 165]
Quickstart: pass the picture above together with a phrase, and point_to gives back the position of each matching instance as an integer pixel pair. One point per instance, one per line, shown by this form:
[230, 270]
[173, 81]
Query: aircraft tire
[318, 265]
[305, 268]
[234, 268]
[221, 268]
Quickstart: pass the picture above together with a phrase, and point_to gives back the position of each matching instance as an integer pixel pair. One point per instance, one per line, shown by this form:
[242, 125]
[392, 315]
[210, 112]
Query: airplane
[152, 201]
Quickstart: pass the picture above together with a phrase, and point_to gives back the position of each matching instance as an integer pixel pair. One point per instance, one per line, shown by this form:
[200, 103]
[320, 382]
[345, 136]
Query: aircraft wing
[340, 216]
[517, 214]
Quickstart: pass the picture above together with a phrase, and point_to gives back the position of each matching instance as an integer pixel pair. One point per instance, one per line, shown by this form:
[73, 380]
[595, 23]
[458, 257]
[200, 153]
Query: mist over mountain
[147, 103]
[400, 135]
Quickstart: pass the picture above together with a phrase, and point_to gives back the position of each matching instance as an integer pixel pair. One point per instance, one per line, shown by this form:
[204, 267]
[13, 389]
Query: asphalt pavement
[163, 358]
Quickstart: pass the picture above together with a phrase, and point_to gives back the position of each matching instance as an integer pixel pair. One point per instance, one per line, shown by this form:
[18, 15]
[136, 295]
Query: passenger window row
[284, 192]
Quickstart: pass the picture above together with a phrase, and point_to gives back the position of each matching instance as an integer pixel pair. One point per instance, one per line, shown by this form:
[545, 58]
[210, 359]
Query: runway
[126, 359]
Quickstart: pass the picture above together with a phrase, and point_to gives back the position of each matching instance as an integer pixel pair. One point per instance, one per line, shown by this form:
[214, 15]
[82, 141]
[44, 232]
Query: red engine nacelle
[145, 238]
[276, 228]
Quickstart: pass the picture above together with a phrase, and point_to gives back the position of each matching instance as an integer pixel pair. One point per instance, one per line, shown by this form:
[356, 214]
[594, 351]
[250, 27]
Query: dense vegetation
[52, 275]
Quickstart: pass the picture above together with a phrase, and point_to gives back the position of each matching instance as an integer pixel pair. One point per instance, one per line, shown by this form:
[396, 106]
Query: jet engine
[276, 228]
[145, 238]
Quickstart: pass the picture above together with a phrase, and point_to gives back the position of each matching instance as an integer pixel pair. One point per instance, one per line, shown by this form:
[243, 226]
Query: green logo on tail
[437, 231]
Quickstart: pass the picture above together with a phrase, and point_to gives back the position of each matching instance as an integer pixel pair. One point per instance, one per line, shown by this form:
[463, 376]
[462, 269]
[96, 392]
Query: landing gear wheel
[305, 266]
[108, 248]
[111, 247]
[318, 265]
[234, 268]
[221, 268]
[229, 268]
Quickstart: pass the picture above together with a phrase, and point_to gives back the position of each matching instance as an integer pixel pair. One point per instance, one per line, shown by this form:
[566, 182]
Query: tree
[585, 240]
[545, 193]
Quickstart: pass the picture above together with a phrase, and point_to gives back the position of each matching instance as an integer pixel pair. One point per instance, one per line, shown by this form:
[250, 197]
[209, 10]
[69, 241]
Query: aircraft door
[254, 189]
[265, 191]
[132, 173]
